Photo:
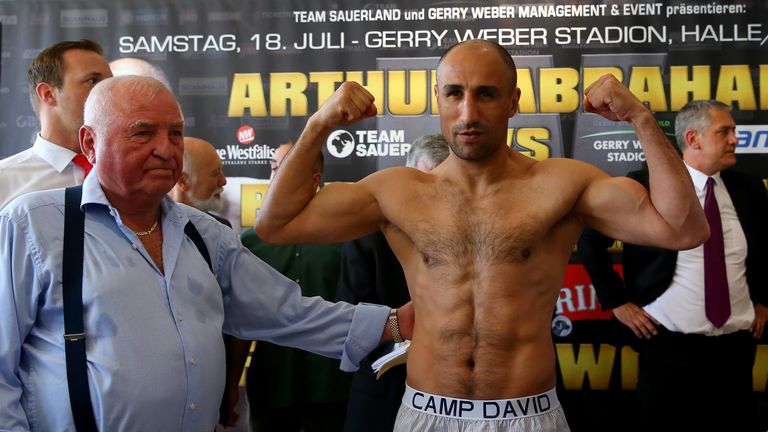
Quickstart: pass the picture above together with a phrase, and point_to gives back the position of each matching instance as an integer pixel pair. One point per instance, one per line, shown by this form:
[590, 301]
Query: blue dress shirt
[154, 346]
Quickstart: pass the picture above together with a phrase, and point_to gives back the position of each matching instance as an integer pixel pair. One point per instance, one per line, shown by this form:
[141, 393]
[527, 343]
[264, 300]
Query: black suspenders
[72, 288]
[74, 332]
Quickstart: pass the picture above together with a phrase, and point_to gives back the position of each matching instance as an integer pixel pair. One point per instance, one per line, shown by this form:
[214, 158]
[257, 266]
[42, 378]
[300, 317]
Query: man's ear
[691, 139]
[515, 102]
[45, 94]
[87, 138]
[316, 179]
[183, 182]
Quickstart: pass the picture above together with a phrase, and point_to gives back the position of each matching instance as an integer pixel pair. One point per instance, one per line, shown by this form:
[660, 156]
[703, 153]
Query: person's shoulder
[29, 203]
[198, 217]
[221, 220]
[396, 172]
[566, 167]
[16, 160]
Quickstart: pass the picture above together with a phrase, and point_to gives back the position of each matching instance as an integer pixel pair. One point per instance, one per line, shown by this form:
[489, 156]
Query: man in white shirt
[696, 352]
[60, 79]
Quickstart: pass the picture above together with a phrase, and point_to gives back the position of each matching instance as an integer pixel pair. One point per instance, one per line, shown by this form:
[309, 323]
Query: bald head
[140, 67]
[111, 99]
[202, 179]
[483, 47]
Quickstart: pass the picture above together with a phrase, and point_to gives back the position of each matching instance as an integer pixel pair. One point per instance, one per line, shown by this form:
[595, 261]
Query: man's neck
[59, 136]
[478, 175]
[136, 212]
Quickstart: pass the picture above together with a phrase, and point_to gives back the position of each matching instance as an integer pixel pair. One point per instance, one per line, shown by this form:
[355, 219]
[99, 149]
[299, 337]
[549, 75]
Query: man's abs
[482, 347]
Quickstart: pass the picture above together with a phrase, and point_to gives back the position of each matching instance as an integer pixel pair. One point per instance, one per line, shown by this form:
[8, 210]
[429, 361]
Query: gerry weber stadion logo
[340, 143]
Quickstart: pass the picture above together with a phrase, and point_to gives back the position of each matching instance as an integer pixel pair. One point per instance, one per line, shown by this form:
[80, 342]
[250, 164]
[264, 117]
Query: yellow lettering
[629, 371]
[735, 85]
[527, 103]
[284, 87]
[764, 87]
[760, 369]
[558, 90]
[645, 82]
[251, 197]
[680, 86]
[414, 102]
[574, 370]
[527, 139]
[247, 93]
[433, 92]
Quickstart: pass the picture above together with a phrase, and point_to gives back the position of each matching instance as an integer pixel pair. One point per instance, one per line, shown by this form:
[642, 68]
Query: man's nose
[164, 147]
[469, 112]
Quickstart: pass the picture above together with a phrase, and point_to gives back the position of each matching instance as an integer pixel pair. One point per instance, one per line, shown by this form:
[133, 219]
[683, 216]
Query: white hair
[110, 98]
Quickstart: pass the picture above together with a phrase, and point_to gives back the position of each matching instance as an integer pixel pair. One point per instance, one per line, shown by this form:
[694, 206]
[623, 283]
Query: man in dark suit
[695, 368]
[371, 273]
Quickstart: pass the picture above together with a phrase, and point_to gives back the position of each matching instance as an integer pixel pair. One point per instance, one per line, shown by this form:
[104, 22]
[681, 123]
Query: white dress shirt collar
[57, 156]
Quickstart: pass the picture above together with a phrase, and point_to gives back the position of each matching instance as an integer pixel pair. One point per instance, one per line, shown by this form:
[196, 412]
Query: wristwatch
[394, 328]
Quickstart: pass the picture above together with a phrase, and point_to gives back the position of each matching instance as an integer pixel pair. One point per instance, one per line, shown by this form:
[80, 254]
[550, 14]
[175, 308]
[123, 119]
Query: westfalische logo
[340, 143]
[247, 152]
[246, 135]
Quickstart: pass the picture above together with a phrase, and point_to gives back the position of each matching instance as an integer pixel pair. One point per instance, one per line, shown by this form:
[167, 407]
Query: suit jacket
[371, 273]
[648, 271]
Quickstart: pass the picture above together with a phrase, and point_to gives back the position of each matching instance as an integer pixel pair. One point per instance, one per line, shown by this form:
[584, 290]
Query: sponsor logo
[9, 19]
[4, 90]
[340, 143]
[150, 16]
[29, 54]
[256, 154]
[188, 16]
[276, 14]
[126, 17]
[578, 299]
[368, 143]
[752, 139]
[27, 121]
[246, 134]
[5, 54]
[75, 18]
[40, 19]
[214, 16]
[189, 121]
[561, 326]
[203, 86]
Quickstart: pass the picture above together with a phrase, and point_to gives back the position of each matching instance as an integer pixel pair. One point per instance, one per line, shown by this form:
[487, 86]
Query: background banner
[248, 75]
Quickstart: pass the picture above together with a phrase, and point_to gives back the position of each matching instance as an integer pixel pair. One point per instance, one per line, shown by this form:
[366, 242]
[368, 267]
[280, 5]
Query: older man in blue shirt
[153, 311]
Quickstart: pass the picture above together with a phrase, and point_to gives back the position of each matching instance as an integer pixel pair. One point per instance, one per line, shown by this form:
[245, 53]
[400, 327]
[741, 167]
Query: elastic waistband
[501, 409]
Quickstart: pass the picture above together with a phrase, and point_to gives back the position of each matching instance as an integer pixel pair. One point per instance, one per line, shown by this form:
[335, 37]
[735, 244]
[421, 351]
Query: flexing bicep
[339, 212]
[621, 208]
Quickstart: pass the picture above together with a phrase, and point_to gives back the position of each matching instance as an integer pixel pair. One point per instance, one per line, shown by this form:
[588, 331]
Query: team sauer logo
[561, 325]
[340, 143]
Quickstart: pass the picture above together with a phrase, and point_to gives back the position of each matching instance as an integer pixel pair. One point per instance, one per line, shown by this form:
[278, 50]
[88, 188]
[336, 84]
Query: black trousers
[697, 383]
